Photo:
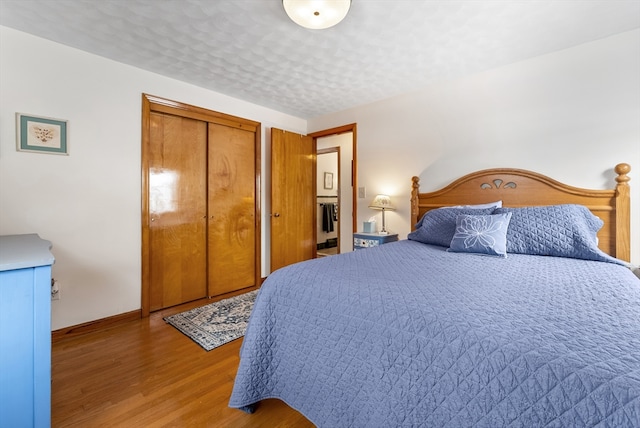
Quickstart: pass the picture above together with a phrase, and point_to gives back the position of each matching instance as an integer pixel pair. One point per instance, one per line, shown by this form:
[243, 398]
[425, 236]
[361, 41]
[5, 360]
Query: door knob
[276, 214]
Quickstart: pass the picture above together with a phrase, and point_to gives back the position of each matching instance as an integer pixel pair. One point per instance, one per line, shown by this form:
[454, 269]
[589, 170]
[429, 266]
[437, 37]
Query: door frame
[353, 128]
[152, 103]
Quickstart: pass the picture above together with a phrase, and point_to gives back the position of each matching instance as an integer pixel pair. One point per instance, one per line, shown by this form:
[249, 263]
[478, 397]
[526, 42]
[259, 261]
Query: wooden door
[177, 210]
[232, 199]
[293, 189]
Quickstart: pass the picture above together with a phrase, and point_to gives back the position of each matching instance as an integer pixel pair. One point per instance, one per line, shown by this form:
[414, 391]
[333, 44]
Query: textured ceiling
[249, 49]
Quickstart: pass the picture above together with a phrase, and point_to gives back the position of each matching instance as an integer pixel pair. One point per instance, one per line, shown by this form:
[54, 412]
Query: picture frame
[37, 134]
[328, 180]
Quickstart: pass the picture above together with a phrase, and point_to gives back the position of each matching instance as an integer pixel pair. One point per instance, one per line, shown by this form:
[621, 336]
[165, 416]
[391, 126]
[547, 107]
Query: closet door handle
[276, 214]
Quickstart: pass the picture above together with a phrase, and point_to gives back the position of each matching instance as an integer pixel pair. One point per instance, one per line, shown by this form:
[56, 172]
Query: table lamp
[383, 203]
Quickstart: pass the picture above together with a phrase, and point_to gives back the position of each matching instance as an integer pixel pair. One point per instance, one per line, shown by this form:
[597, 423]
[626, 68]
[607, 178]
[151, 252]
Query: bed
[518, 331]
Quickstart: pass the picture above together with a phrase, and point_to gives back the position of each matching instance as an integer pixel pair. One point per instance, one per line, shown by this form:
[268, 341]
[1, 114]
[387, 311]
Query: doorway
[341, 145]
[328, 201]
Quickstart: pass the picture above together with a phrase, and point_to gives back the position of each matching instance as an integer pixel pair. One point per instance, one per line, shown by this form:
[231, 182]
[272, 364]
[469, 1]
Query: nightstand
[368, 240]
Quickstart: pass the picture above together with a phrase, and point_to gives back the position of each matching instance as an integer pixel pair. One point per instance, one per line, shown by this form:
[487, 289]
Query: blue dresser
[368, 240]
[25, 331]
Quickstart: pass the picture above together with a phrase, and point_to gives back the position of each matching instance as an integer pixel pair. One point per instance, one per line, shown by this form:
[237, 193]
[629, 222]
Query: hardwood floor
[145, 373]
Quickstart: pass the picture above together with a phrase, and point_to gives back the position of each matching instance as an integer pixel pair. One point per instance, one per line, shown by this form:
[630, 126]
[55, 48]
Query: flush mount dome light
[316, 14]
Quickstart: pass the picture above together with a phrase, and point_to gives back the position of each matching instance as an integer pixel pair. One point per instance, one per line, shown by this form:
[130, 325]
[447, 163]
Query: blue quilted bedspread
[408, 335]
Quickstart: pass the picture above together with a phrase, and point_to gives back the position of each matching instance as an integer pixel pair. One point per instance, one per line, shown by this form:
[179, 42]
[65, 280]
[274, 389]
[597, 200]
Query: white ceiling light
[316, 14]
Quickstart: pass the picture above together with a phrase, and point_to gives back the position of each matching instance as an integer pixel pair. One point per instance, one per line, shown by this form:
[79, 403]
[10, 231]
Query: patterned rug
[217, 323]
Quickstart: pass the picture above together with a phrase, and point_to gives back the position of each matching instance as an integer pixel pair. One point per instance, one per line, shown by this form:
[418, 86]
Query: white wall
[327, 162]
[89, 203]
[571, 115]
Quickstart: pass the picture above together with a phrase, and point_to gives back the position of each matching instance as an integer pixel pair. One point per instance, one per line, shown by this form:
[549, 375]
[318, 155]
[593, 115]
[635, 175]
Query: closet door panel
[231, 209]
[177, 210]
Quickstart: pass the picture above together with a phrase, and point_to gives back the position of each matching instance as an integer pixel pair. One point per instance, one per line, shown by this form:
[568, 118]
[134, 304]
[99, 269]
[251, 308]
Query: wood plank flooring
[145, 373]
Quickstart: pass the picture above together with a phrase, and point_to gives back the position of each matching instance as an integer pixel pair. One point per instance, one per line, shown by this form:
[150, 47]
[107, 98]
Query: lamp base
[383, 232]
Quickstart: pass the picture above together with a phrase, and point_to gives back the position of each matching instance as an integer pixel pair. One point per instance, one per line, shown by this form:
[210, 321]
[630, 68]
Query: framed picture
[41, 134]
[328, 180]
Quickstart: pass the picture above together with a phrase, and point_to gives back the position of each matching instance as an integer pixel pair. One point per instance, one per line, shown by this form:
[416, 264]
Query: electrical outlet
[362, 192]
[55, 289]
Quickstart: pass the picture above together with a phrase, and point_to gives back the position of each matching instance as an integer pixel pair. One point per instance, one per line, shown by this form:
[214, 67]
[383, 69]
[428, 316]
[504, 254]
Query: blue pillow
[496, 204]
[484, 234]
[557, 230]
[438, 226]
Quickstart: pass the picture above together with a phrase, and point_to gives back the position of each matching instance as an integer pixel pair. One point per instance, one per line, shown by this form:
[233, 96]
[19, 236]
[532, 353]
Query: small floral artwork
[41, 135]
[46, 135]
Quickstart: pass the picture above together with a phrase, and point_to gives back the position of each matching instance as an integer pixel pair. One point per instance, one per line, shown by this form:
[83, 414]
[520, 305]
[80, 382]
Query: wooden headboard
[521, 188]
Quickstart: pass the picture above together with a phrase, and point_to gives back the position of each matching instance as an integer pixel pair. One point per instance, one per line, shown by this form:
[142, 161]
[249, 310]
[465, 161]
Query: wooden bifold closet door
[201, 229]
[232, 219]
[177, 210]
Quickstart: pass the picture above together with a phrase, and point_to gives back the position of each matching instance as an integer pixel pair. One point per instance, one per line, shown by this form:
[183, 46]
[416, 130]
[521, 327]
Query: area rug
[216, 323]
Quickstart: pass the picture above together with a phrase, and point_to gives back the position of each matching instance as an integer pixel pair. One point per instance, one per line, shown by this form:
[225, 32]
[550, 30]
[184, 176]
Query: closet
[200, 219]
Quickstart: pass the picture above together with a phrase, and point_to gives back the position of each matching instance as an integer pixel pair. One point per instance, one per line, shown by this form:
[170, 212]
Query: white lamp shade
[382, 202]
[316, 14]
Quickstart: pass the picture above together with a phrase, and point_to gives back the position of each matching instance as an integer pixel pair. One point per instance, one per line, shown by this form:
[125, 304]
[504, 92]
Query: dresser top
[24, 251]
